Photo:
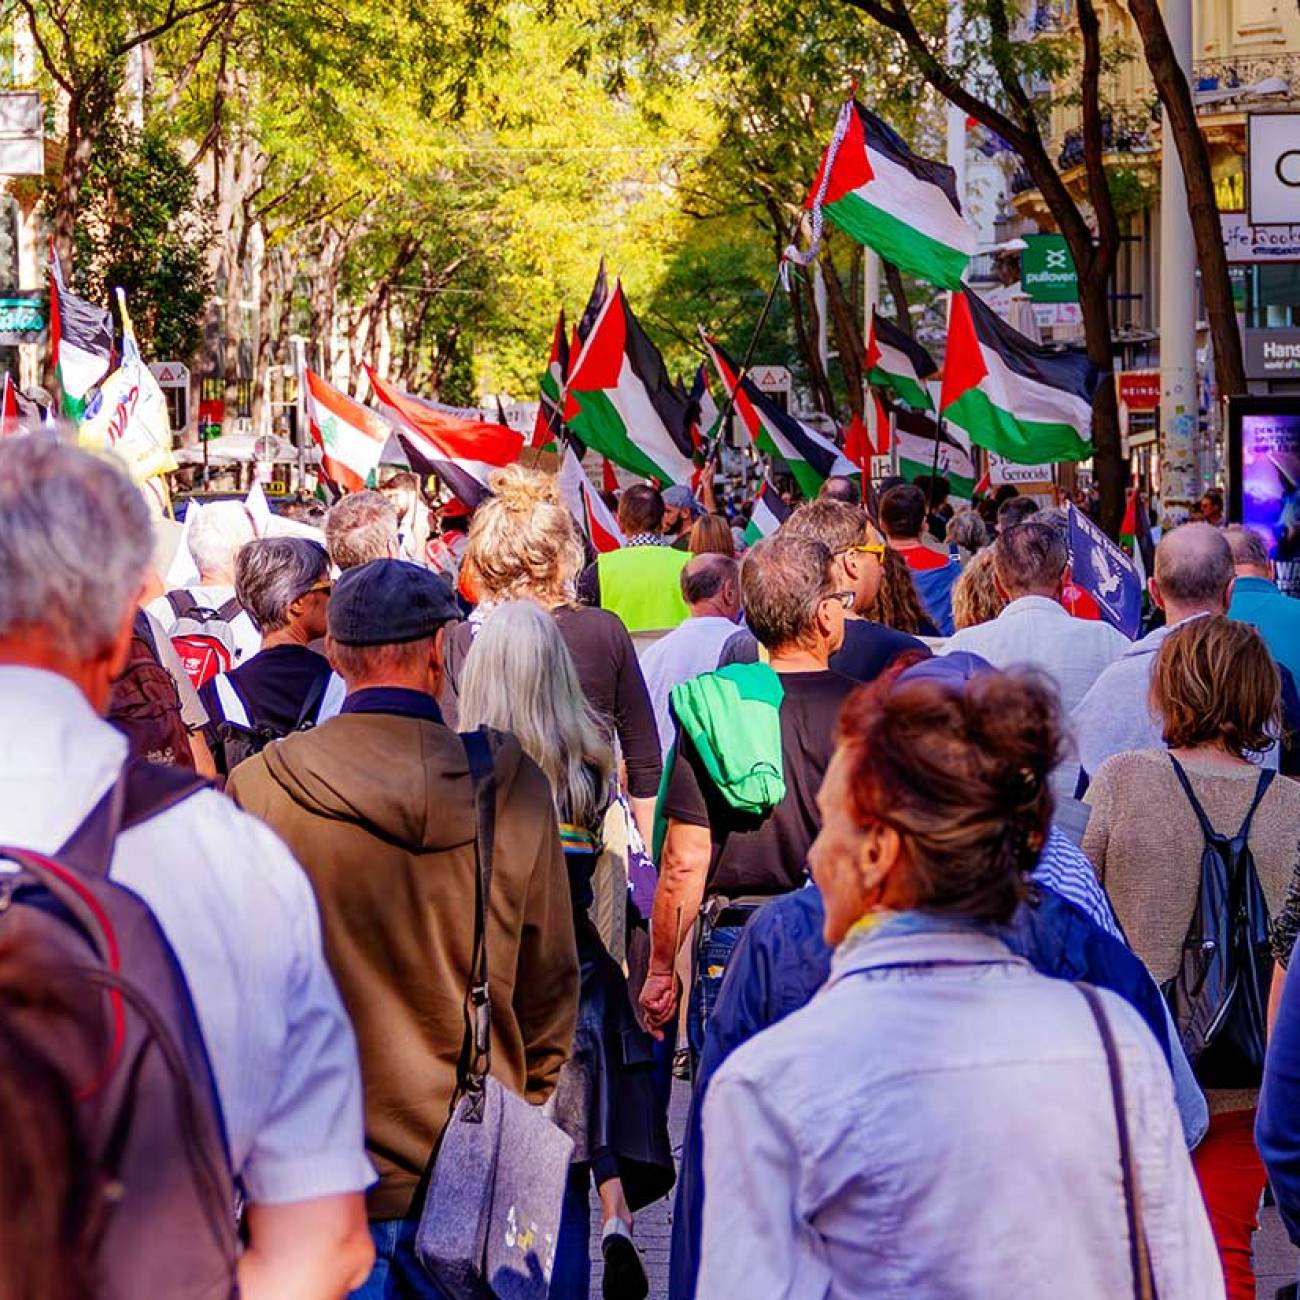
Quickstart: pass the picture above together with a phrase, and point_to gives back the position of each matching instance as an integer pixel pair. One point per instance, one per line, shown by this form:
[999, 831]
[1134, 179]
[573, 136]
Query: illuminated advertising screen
[1264, 446]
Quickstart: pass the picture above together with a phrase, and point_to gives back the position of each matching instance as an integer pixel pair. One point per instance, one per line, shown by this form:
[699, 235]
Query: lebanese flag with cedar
[351, 437]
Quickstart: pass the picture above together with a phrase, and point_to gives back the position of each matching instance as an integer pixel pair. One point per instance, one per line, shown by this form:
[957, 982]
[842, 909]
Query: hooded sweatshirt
[379, 810]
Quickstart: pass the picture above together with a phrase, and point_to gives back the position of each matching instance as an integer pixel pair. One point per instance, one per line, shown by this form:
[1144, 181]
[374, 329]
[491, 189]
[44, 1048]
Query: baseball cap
[680, 497]
[388, 602]
[954, 669]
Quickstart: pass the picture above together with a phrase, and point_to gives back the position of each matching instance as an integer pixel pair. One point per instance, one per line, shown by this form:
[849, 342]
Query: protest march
[820, 840]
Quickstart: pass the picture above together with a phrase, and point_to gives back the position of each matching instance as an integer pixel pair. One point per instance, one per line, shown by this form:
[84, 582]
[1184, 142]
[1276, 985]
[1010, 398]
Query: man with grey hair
[378, 804]
[215, 536]
[1031, 567]
[1194, 576]
[1257, 600]
[362, 527]
[284, 584]
[711, 588]
[75, 544]
[748, 838]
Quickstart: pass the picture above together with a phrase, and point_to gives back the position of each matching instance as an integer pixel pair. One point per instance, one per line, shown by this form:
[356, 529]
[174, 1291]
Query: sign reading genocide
[1047, 270]
[1273, 165]
[23, 317]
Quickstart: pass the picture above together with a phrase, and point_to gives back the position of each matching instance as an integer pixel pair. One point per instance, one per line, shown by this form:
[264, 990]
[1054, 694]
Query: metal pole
[1179, 398]
[299, 346]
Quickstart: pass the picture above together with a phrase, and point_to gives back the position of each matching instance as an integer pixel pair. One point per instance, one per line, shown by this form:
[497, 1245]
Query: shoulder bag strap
[1265, 781]
[311, 705]
[1207, 827]
[182, 602]
[1144, 1282]
[231, 610]
[476, 1057]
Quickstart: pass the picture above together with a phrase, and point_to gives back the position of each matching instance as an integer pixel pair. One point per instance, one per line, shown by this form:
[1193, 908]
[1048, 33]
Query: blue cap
[388, 602]
[954, 669]
[680, 497]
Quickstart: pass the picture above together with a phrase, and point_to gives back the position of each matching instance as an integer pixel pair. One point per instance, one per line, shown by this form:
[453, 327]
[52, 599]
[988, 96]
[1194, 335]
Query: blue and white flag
[1106, 573]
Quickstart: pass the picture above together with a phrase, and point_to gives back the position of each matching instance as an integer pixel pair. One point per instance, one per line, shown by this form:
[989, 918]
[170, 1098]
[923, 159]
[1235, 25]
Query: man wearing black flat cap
[378, 807]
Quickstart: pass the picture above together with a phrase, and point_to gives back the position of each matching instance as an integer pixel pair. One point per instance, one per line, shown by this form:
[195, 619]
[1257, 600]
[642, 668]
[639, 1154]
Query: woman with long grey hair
[520, 677]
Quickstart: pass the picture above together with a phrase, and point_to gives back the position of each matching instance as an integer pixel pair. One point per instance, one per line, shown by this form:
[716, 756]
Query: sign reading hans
[1273, 160]
[1106, 573]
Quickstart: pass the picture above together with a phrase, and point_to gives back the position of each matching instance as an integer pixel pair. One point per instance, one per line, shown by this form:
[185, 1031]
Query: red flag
[985, 483]
[9, 424]
[1128, 528]
[857, 444]
[609, 478]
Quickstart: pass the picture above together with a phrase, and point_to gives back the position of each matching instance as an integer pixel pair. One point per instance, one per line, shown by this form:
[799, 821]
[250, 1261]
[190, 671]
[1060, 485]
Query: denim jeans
[711, 964]
[571, 1276]
[397, 1274]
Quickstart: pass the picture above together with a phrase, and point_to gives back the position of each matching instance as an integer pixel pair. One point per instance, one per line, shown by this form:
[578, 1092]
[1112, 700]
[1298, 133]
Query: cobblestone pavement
[1276, 1260]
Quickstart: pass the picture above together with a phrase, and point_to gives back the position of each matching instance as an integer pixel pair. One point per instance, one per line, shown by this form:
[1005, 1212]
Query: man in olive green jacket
[377, 805]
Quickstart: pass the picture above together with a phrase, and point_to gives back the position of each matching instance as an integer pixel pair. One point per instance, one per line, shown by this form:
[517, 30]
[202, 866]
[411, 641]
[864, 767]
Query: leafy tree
[144, 229]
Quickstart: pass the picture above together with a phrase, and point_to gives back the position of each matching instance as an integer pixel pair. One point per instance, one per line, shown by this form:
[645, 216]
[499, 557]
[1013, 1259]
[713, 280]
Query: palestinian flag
[621, 403]
[351, 437]
[462, 453]
[596, 301]
[880, 432]
[769, 513]
[879, 193]
[547, 429]
[704, 410]
[1029, 403]
[18, 413]
[608, 479]
[812, 458]
[897, 362]
[916, 437]
[81, 336]
[585, 505]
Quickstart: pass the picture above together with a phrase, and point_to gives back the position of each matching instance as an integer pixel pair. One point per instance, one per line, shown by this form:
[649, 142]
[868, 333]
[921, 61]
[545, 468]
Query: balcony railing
[1273, 78]
[1130, 133]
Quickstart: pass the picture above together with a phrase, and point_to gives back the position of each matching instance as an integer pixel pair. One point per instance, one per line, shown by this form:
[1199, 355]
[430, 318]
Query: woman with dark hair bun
[941, 1121]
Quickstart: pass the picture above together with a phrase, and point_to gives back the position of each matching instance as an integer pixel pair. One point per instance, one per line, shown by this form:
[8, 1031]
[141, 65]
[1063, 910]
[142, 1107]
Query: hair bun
[523, 489]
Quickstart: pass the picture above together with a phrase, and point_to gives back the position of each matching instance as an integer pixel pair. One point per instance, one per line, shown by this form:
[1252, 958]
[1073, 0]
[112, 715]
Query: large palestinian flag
[351, 437]
[811, 456]
[879, 193]
[462, 453]
[897, 362]
[593, 515]
[549, 422]
[1029, 403]
[81, 336]
[924, 447]
[769, 513]
[621, 403]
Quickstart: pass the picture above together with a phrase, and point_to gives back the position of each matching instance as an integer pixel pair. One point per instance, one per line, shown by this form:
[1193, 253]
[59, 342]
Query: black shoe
[625, 1277]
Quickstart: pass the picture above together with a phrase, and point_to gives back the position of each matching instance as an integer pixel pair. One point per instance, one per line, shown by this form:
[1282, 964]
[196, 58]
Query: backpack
[239, 735]
[1219, 996]
[204, 638]
[145, 706]
[162, 1215]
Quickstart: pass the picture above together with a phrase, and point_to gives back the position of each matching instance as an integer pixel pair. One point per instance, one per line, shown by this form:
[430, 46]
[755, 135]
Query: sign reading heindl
[1047, 270]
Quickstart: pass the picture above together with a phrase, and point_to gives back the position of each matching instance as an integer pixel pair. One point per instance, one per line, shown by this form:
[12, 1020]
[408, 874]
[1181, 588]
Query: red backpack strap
[141, 791]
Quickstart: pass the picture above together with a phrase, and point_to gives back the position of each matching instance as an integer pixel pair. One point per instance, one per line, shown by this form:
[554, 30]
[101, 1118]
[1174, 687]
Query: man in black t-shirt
[858, 549]
[712, 848]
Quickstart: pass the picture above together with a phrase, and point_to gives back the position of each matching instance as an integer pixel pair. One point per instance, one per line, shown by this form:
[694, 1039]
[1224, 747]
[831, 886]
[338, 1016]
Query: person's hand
[659, 1001]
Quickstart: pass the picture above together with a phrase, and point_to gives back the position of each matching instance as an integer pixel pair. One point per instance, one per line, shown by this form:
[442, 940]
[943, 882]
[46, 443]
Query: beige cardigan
[1146, 844]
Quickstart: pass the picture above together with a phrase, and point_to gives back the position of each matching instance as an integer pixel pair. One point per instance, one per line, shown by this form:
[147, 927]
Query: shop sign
[1047, 270]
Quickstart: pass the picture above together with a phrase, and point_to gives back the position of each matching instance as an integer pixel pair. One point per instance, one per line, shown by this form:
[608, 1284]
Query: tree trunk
[898, 291]
[845, 322]
[1110, 470]
[86, 114]
[1180, 118]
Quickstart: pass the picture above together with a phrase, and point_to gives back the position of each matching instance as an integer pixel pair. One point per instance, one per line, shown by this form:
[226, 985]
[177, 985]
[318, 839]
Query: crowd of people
[964, 919]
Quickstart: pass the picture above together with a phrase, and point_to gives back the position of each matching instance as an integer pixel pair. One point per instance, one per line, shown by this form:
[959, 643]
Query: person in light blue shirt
[938, 1121]
[1257, 600]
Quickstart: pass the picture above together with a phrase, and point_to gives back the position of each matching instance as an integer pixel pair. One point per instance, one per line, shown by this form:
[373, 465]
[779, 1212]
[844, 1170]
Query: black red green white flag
[898, 363]
[881, 194]
[1029, 403]
[546, 431]
[768, 514]
[81, 336]
[621, 403]
[811, 456]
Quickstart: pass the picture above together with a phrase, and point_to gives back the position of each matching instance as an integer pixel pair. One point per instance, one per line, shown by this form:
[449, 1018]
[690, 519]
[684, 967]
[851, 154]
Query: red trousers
[1232, 1180]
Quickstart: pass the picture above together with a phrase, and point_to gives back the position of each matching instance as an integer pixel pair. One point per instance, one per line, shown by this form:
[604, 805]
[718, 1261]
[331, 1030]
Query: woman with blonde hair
[524, 544]
[975, 595]
[1217, 691]
[711, 533]
[519, 677]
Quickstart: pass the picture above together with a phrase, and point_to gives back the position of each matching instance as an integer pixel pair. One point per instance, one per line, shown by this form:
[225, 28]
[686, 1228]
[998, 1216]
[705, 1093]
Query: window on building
[1273, 296]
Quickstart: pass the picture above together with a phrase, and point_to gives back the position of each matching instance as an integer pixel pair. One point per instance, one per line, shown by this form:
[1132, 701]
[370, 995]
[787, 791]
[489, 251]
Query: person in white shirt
[235, 907]
[711, 589]
[1031, 566]
[215, 538]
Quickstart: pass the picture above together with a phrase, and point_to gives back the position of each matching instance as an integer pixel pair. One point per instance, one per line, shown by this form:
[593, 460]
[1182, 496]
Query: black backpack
[239, 734]
[1219, 997]
[163, 1221]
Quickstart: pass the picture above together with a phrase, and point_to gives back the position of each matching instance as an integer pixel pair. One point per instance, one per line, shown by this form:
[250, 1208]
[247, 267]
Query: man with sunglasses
[284, 585]
[752, 745]
[857, 548]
